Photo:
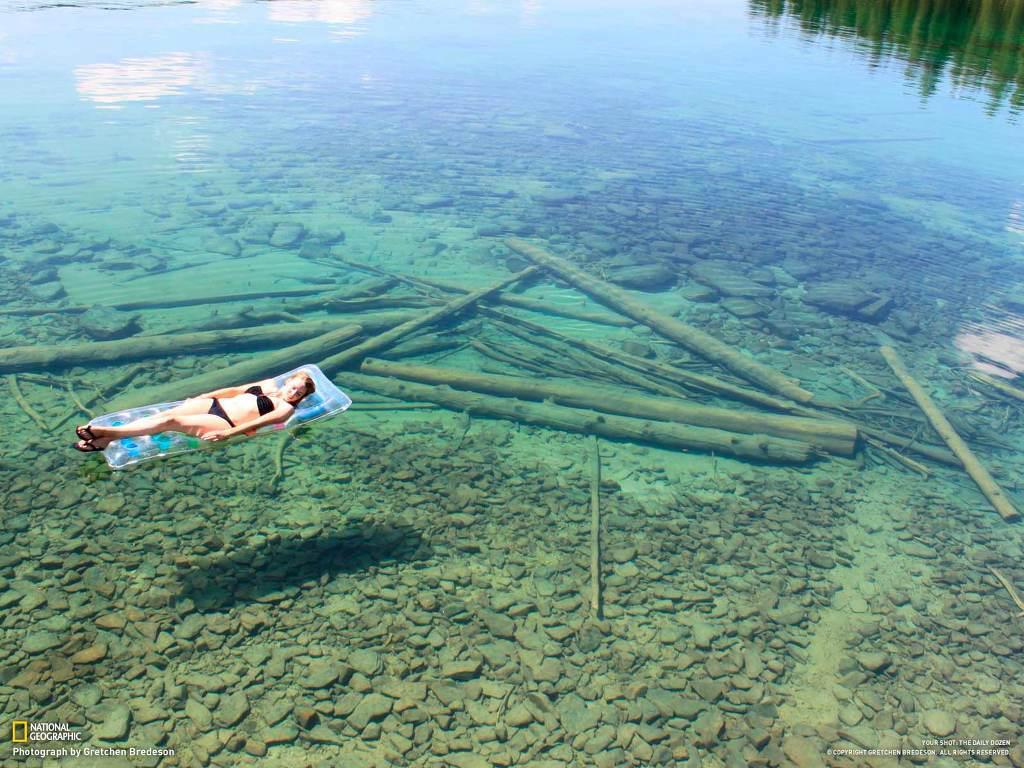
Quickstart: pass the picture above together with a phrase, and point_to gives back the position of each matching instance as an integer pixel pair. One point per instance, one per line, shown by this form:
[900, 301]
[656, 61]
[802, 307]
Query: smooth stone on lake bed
[287, 233]
[320, 674]
[90, 655]
[704, 634]
[37, 642]
[803, 752]
[428, 201]
[366, 661]
[280, 734]
[743, 308]
[373, 706]
[115, 724]
[232, 709]
[463, 669]
[874, 661]
[106, 324]
[938, 723]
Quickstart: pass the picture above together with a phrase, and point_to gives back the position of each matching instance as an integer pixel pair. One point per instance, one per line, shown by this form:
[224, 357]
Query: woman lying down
[216, 415]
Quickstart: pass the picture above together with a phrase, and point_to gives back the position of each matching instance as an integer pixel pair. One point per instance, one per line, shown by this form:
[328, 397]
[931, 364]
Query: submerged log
[677, 376]
[374, 287]
[166, 303]
[726, 389]
[434, 286]
[423, 345]
[972, 466]
[831, 436]
[28, 410]
[336, 362]
[41, 358]
[595, 529]
[377, 302]
[664, 434]
[593, 366]
[252, 369]
[908, 444]
[559, 310]
[998, 384]
[514, 358]
[692, 338]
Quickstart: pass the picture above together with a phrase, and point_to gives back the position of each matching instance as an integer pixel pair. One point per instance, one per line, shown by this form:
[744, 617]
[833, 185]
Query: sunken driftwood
[339, 306]
[653, 367]
[373, 287]
[595, 528]
[908, 444]
[423, 345]
[692, 338]
[28, 410]
[167, 303]
[244, 318]
[593, 366]
[559, 417]
[41, 358]
[972, 466]
[1014, 595]
[997, 384]
[336, 362]
[252, 369]
[433, 286]
[726, 389]
[832, 436]
[286, 438]
[560, 310]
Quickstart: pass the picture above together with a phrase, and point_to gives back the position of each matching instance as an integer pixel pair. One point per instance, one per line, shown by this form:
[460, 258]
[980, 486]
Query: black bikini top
[263, 403]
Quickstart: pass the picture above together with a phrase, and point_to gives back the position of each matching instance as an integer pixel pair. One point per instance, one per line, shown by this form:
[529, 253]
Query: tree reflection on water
[976, 43]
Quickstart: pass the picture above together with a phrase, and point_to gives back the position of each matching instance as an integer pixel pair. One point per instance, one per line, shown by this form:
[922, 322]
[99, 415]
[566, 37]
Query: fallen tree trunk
[336, 362]
[725, 389]
[998, 384]
[667, 435]
[41, 358]
[675, 375]
[515, 359]
[508, 299]
[595, 530]
[252, 369]
[340, 306]
[972, 466]
[934, 452]
[593, 366]
[692, 338]
[559, 310]
[423, 345]
[373, 287]
[166, 303]
[831, 436]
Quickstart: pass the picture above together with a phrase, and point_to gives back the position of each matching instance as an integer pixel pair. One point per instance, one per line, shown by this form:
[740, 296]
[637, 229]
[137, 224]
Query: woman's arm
[223, 392]
[232, 391]
[276, 416]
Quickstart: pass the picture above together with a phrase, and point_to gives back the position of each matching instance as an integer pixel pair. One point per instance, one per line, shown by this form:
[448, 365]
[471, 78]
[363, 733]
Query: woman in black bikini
[214, 416]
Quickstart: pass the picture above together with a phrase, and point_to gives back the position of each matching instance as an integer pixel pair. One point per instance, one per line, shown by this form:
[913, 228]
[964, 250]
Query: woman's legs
[190, 417]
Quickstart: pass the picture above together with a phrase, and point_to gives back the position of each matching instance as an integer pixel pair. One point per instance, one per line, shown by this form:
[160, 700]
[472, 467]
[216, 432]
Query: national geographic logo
[25, 731]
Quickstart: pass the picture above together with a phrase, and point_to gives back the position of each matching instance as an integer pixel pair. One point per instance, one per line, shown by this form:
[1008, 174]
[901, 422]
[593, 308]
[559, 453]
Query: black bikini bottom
[217, 410]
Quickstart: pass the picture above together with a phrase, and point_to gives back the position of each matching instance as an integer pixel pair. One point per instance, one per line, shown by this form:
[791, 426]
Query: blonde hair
[310, 385]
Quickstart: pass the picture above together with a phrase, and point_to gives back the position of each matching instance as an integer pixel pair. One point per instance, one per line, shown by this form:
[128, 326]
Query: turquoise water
[410, 583]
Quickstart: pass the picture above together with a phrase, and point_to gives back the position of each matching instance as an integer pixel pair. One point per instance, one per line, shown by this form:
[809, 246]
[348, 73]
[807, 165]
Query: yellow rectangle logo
[15, 725]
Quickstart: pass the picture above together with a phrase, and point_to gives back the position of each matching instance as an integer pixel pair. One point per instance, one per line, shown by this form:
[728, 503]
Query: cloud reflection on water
[323, 11]
[139, 79]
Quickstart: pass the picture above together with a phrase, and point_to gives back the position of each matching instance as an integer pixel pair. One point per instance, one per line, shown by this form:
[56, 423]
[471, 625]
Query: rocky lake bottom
[414, 591]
